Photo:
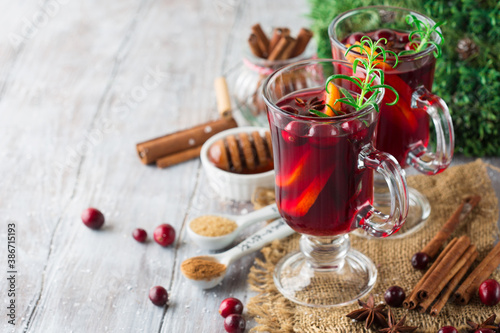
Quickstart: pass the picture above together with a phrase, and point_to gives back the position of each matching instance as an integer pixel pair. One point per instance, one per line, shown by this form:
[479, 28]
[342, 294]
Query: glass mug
[324, 187]
[403, 129]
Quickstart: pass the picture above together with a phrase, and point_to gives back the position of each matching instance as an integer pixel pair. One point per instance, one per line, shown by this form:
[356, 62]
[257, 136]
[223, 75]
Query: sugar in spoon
[242, 221]
[208, 271]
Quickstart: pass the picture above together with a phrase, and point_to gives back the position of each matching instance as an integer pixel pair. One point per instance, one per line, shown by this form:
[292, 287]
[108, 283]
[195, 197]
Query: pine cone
[387, 16]
[466, 48]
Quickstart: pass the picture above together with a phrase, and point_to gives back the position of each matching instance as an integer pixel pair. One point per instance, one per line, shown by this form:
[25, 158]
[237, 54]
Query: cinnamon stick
[411, 301]
[470, 286]
[442, 269]
[278, 33]
[447, 277]
[280, 48]
[261, 38]
[287, 52]
[151, 150]
[303, 39]
[177, 158]
[438, 306]
[222, 96]
[253, 42]
[468, 203]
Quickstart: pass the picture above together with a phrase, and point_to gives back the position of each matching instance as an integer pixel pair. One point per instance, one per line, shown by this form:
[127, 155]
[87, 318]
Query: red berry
[92, 218]
[164, 234]
[158, 295]
[355, 37]
[384, 33]
[356, 129]
[411, 46]
[140, 235]
[489, 292]
[230, 306]
[324, 135]
[394, 296]
[405, 38]
[447, 329]
[420, 260]
[235, 323]
[294, 133]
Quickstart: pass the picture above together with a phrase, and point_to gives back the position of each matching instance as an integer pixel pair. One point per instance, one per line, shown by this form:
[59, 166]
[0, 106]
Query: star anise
[314, 104]
[488, 323]
[398, 327]
[370, 313]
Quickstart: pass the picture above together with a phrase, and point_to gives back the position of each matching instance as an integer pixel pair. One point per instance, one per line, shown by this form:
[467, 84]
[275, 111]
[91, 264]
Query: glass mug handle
[419, 157]
[377, 223]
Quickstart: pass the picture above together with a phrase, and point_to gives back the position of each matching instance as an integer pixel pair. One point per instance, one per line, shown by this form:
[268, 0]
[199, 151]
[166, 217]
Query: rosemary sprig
[371, 51]
[421, 35]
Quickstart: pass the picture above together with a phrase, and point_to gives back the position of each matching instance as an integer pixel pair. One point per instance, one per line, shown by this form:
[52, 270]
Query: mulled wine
[400, 127]
[319, 188]
[324, 163]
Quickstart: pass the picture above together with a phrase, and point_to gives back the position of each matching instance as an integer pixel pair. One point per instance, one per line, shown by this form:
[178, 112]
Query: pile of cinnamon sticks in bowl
[265, 54]
[280, 46]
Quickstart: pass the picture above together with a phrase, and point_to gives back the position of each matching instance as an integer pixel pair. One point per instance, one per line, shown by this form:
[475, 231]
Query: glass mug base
[325, 276]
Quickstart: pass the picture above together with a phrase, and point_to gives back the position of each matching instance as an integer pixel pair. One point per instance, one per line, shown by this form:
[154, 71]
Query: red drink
[400, 126]
[324, 179]
[319, 187]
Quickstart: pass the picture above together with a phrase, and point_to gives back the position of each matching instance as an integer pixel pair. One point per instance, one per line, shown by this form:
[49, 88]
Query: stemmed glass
[324, 186]
[403, 129]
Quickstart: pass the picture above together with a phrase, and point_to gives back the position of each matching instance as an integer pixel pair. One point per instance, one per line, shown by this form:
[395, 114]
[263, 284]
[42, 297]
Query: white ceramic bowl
[231, 185]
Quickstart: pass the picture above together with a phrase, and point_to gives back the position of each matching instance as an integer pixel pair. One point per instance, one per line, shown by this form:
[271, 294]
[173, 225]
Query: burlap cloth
[274, 313]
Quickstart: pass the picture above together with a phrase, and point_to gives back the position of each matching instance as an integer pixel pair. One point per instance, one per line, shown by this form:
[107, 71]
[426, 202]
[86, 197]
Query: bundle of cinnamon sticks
[280, 46]
[436, 286]
[441, 280]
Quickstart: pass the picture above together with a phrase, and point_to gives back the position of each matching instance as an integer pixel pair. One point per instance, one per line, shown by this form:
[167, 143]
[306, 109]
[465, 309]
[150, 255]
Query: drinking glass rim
[407, 57]
[343, 118]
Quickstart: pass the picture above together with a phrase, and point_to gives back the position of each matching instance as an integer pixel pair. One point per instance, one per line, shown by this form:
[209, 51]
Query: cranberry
[404, 38]
[411, 46]
[164, 234]
[158, 295]
[394, 296]
[230, 306]
[140, 235]
[489, 292]
[294, 133]
[323, 135]
[384, 33]
[420, 260]
[92, 218]
[355, 37]
[235, 323]
[356, 128]
[447, 329]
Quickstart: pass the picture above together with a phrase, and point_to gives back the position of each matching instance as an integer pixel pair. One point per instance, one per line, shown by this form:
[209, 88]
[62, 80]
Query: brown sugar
[212, 226]
[202, 268]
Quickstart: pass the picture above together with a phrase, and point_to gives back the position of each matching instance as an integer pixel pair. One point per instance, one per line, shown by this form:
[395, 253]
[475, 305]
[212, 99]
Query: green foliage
[471, 86]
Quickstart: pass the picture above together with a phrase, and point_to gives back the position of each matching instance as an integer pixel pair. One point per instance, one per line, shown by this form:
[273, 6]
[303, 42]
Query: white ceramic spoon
[243, 221]
[275, 230]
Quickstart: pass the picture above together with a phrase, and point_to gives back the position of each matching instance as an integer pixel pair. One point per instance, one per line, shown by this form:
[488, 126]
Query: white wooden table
[81, 82]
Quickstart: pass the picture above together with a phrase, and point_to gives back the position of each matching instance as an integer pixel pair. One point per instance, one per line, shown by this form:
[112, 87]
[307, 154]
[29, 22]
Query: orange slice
[300, 205]
[285, 179]
[331, 97]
